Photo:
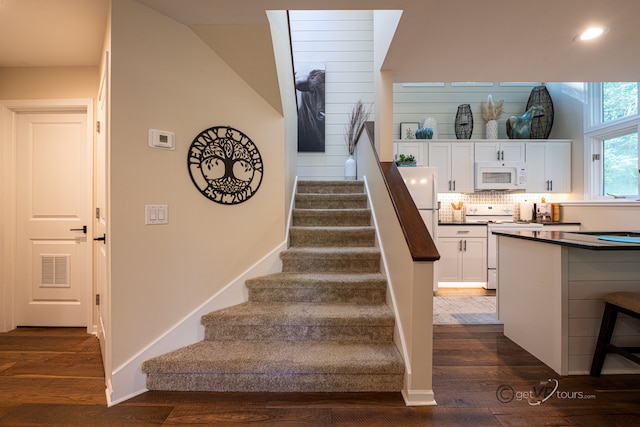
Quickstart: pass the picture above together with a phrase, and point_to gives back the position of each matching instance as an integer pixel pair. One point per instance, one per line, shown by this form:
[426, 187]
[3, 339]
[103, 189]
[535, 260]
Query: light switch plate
[156, 214]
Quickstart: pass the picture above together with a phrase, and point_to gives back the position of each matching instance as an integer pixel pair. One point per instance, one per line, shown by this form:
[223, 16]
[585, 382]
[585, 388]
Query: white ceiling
[487, 40]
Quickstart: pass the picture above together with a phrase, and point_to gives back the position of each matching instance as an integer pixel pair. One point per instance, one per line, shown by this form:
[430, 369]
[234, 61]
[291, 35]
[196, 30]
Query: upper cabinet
[490, 151]
[455, 163]
[548, 162]
[412, 147]
[548, 166]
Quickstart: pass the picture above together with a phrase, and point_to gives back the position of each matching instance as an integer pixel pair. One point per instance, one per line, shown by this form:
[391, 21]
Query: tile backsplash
[445, 199]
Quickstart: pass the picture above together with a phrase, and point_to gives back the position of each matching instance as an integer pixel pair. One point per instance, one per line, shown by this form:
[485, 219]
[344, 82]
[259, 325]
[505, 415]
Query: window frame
[595, 133]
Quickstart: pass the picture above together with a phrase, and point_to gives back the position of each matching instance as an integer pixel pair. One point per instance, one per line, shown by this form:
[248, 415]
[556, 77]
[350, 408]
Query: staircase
[321, 325]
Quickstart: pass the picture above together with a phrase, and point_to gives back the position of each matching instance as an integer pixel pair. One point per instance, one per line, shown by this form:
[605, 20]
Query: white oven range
[497, 217]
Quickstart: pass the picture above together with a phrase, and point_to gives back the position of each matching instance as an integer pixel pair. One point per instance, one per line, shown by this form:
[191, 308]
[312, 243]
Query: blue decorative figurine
[519, 127]
[424, 133]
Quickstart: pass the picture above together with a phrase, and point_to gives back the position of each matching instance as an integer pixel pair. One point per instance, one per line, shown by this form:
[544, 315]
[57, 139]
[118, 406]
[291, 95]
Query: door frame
[8, 197]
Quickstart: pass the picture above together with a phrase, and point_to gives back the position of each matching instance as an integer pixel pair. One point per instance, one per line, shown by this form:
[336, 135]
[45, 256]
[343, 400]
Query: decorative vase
[464, 122]
[431, 123]
[492, 129]
[542, 121]
[424, 133]
[350, 168]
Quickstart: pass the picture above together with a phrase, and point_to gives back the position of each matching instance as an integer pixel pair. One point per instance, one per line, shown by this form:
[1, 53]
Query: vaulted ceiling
[436, 40]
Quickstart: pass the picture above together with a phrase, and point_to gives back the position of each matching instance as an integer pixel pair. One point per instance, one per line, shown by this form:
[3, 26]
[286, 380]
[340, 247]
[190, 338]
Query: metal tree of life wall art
[225, 165]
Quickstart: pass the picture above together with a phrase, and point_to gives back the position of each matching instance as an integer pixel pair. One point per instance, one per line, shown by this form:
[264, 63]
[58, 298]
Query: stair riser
[319, 295]
[360, 334]
[282, 382]
[332, 220]
[330, 204]
[330, 188]
[312, 265]
[327, 238]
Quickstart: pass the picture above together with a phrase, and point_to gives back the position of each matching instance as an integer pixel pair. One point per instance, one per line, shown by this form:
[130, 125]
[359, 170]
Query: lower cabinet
[463, 253]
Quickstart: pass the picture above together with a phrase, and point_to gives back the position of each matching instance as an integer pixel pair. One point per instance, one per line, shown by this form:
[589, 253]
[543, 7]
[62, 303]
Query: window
[612, 127]
[619, 99]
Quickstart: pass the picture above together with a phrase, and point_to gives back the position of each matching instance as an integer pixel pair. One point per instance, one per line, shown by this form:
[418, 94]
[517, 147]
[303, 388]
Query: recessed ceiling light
[590, 34]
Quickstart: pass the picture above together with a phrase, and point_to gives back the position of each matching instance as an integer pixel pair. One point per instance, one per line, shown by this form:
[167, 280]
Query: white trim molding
[8, 197]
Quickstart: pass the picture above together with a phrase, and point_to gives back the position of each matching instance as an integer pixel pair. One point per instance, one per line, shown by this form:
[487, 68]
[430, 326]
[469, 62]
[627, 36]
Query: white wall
[343, 41]
[160, 274]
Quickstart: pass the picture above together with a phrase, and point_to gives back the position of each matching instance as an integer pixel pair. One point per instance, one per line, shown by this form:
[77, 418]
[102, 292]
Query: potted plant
[406, 160]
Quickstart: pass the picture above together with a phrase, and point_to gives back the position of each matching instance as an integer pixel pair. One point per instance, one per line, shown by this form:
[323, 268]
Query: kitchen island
[550, 290]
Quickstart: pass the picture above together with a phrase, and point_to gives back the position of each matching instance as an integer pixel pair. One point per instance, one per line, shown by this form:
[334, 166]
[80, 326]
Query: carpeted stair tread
[332, 236]
[363, 288]
[279, 357]
[332, 187]
[332, 280]
[250, 313]
[338, 253]
[331, 201]
[331, 217]
[311, 260]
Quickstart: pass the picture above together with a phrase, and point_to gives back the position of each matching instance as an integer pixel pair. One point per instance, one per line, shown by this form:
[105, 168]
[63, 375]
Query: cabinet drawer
[462, 231]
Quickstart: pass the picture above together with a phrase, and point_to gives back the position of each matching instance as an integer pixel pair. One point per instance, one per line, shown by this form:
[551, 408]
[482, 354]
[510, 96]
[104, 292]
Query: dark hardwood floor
[54, 377]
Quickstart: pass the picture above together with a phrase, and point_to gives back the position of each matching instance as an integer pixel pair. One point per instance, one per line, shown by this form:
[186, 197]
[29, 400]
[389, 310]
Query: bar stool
[623, 302]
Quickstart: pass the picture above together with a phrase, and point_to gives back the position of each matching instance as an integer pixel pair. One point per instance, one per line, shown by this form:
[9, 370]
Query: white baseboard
[419, 397]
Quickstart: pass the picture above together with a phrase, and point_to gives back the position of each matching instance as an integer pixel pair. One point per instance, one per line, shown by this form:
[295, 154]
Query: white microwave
[500, 176]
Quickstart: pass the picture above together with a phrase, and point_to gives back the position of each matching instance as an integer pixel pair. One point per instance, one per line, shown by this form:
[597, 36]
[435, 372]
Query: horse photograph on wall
[309, 81]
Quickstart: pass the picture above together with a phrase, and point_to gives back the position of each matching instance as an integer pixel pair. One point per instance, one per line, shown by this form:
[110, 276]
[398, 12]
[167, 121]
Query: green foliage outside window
[619, 99]
[621, 165]
[620, 154]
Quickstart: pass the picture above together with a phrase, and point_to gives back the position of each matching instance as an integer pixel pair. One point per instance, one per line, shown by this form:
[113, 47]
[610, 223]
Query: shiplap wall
[343, 41]
[415, 103]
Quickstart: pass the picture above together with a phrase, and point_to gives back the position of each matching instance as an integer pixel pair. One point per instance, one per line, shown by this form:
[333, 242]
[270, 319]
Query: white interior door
[53, 213]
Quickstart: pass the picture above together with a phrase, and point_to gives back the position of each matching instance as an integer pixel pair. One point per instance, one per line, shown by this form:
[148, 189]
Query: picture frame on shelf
[408, 130]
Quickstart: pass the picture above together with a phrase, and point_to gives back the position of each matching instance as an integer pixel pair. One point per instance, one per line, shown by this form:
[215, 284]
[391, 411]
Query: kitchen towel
[621, 239]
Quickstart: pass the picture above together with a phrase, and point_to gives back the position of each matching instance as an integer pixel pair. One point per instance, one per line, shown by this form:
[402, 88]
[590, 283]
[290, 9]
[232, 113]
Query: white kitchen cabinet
[455, 163]
[411, 147]
[492, 151]
[548, 167]
[463, 253]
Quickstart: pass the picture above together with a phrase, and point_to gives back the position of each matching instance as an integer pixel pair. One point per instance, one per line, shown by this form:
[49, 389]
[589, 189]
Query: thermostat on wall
[162, 139]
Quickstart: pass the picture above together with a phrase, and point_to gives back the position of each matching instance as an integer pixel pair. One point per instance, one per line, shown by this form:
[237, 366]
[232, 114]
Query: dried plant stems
[491, 111]
[357, 119]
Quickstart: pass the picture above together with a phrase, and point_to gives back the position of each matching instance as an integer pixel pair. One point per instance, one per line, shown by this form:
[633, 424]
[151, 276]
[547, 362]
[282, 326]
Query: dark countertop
[530, 222]
[583, 240]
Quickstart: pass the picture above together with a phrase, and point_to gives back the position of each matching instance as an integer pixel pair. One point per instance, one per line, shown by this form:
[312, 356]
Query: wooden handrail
[417, 236]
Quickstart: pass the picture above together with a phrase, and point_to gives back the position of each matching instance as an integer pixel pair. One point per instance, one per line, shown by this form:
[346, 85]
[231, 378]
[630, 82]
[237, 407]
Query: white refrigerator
[422, 184]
